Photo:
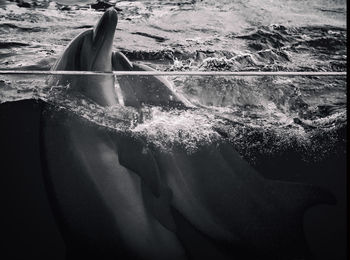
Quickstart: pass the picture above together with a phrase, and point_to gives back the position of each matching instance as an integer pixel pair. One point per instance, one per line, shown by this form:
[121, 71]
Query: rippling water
[210, 36]
[263, 117]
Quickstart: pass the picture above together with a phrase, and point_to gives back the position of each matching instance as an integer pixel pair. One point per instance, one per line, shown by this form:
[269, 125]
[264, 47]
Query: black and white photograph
[173, 129]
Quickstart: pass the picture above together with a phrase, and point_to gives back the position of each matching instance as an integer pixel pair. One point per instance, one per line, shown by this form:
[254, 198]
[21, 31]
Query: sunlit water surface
[258, 115]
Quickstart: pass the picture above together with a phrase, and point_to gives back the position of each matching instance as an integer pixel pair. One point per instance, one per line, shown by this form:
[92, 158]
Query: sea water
[287, 128]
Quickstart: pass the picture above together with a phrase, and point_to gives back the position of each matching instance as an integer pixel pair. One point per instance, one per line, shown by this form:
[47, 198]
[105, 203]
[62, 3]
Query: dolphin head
[97, 45]
[91, 51]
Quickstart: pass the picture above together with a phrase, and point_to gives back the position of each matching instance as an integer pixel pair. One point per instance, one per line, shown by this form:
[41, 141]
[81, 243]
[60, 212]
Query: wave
[6, 45]
[7, 27]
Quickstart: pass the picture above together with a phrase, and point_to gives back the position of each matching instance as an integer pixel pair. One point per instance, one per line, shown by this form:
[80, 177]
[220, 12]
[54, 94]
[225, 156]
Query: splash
[189, 129]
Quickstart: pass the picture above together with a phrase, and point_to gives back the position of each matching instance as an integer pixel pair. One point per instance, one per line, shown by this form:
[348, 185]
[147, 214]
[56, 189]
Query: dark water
[290, 129]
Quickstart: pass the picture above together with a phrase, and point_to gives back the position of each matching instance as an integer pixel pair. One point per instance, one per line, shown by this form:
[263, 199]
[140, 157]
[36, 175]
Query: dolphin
[89, 178]
[92, 51]
[113, 196]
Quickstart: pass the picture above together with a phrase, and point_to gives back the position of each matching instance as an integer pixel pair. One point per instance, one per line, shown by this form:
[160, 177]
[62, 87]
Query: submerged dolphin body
[92, 51]
[114, 197]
